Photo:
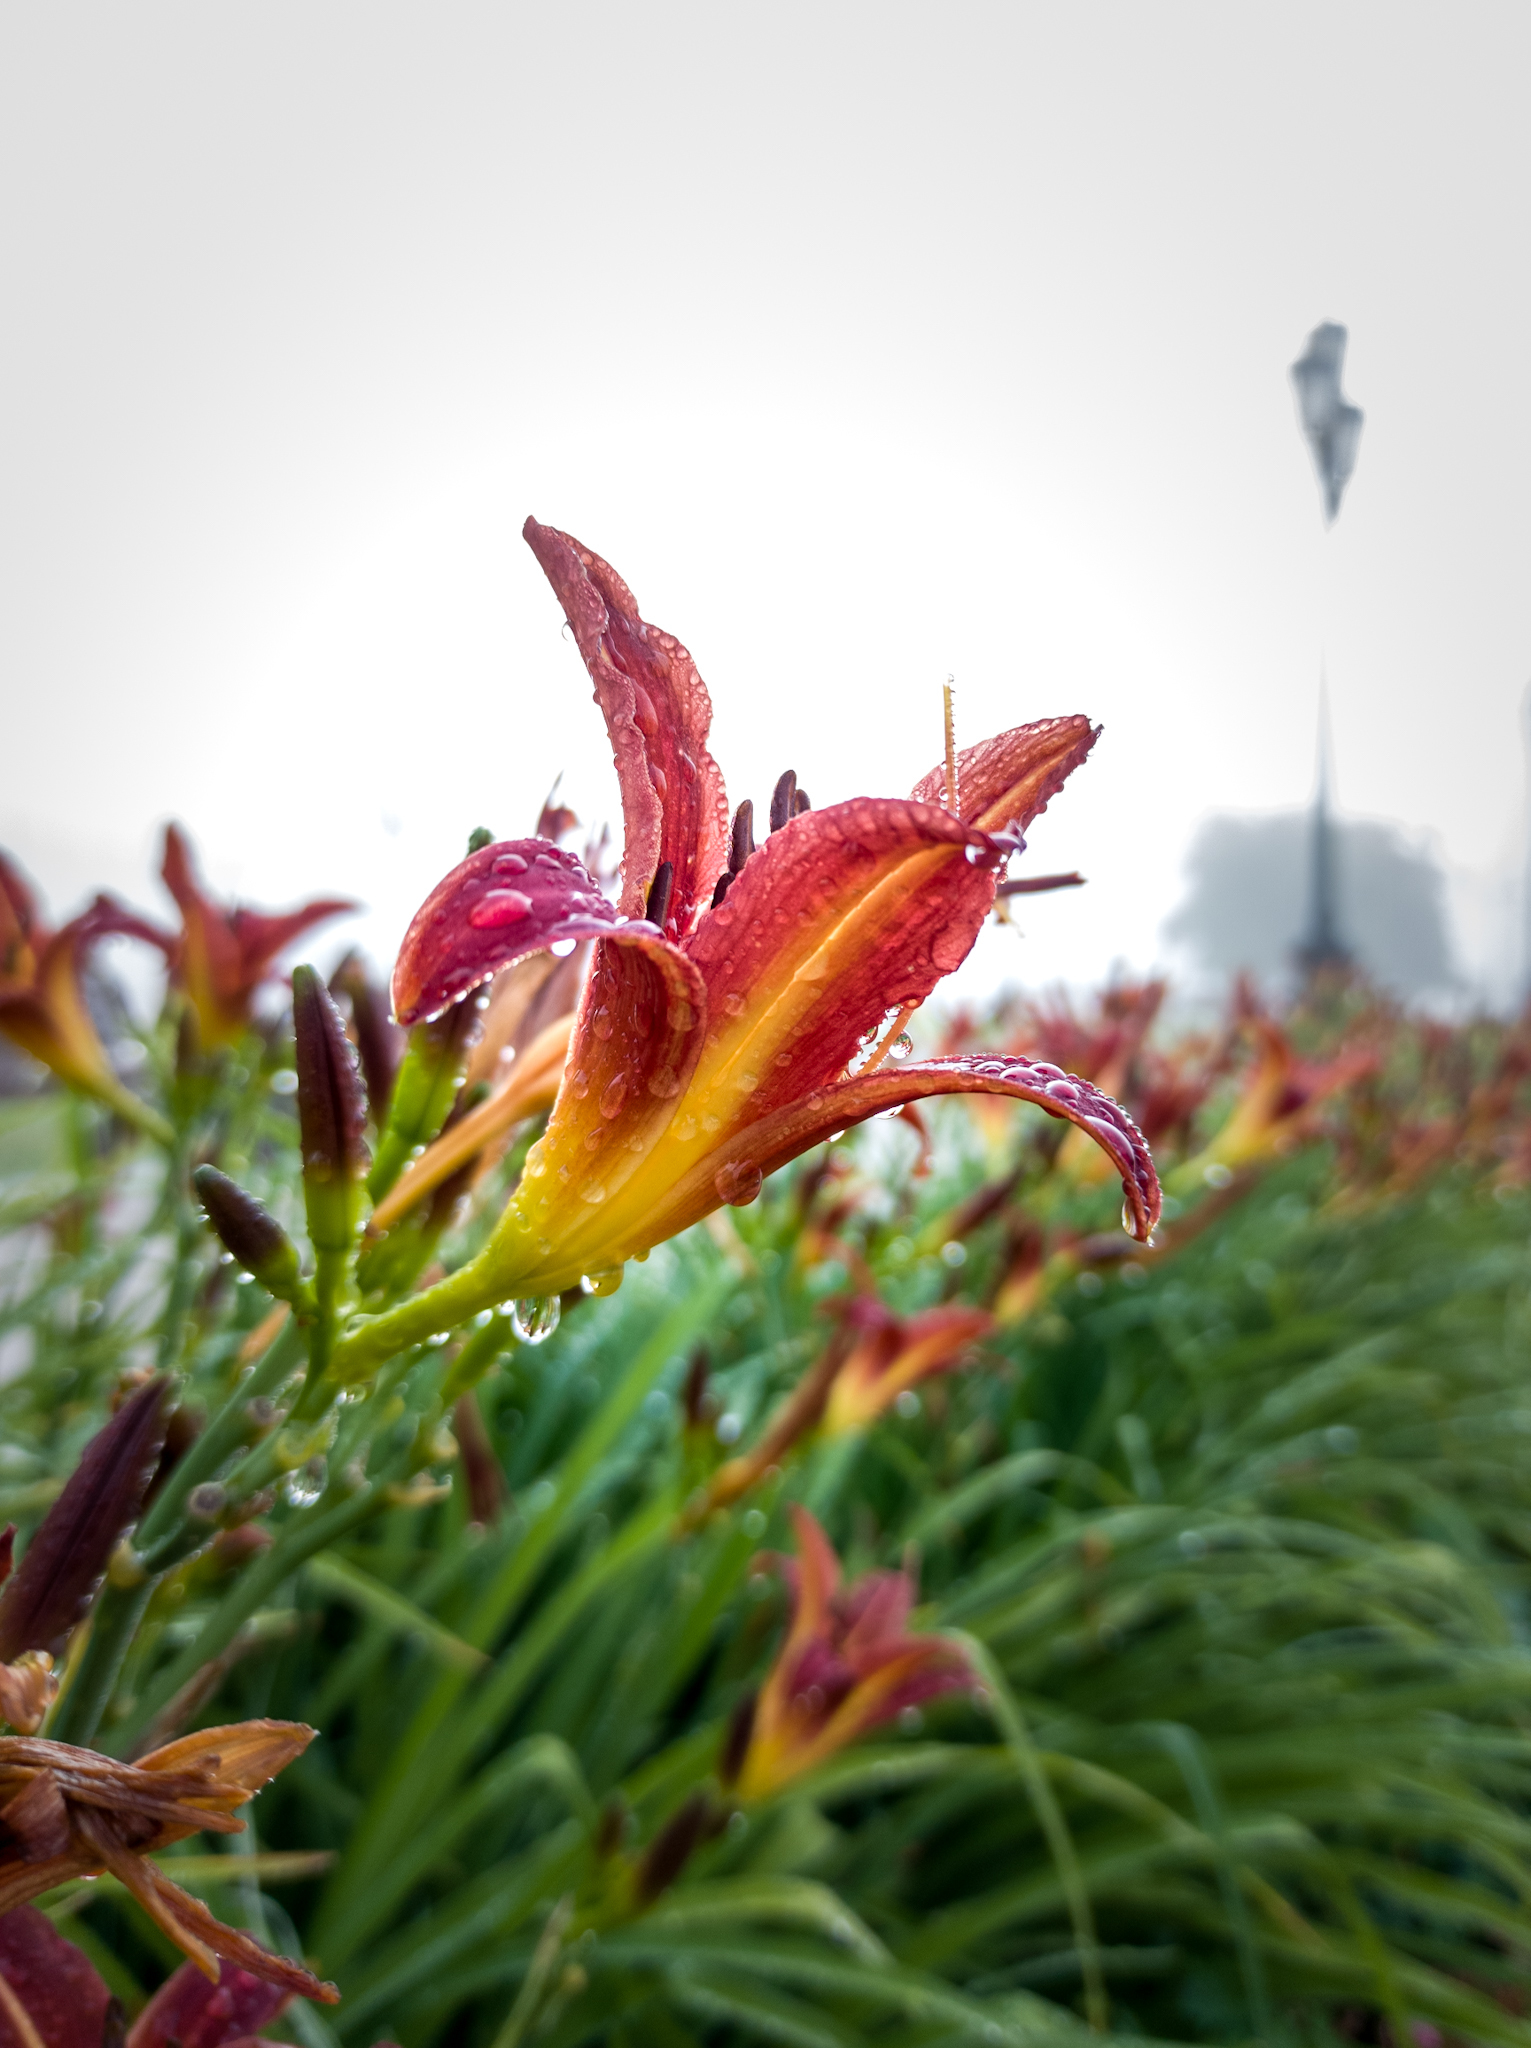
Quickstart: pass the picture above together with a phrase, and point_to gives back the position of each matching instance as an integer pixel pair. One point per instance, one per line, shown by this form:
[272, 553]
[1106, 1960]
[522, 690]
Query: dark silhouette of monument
[1322, 950]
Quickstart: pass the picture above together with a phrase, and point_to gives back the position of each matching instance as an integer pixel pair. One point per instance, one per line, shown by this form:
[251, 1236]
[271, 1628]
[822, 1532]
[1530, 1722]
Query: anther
[657, 908]
[784, 800]
[800, 803]
[744, 836]
[722, 888]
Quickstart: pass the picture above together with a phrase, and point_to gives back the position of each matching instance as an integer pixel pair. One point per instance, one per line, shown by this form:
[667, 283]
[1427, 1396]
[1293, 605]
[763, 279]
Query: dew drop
[600, 1023]
[738, 1183]
[613, 1096]
[733, 1003]
[901, 1047]
[301, 1488]
[509, 864]
[562, 948]
[499, 907]
[685, 1128]
[604, 1282]
[536, 1318]
[593, 1196]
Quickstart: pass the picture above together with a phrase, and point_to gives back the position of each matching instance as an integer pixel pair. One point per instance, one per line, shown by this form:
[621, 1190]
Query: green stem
[297, 1543]
[443, 1307]
[161, 1528]
[114, 1624]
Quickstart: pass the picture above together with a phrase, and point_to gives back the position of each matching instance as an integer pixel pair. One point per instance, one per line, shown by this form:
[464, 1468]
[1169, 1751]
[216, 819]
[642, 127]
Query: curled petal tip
[516, 897]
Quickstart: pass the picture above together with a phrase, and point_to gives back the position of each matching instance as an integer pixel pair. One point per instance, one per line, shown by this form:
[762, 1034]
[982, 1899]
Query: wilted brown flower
[69, 1813]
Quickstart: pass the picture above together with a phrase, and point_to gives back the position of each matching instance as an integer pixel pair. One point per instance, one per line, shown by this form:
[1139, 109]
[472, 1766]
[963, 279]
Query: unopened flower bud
[332, 1110]
[249, 1232]
[66, 1558]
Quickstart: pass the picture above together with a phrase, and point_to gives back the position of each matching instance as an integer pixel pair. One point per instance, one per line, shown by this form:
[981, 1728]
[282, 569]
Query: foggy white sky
[870, 342]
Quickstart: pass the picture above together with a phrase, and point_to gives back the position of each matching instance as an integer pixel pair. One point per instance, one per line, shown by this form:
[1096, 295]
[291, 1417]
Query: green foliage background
[1238, 1538]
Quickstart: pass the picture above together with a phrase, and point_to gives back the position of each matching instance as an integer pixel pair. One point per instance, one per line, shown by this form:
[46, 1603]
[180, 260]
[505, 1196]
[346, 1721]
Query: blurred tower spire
[1322, 948]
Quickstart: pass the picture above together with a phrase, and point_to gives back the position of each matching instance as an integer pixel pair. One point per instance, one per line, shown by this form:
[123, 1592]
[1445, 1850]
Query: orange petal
[760, 1148]
[249, 1754]
[842, 915]
[1010, 779]
[657, 714]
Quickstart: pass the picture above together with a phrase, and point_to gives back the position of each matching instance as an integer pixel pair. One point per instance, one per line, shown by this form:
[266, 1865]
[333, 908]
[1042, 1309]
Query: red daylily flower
[732, 986]
[52, 1986]
[71, 1812]
[42, 1004]
[893, 1353]
[223, 956]
[50, 1992]
[846, 1667]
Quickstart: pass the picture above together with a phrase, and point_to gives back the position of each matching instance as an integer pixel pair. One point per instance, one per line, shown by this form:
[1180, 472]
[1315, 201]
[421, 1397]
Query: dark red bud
[736, 1742]
[482, 1472]
[64, 1562]
[671, 1849]
[332, 1110]
[249, 1232]
[379, 1041]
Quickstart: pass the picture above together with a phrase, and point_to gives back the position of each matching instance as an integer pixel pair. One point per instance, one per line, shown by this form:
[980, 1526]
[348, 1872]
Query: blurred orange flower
[846, 1667]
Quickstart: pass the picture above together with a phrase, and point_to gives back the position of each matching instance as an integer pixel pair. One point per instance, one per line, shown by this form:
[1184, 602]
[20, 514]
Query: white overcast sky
[870, 342]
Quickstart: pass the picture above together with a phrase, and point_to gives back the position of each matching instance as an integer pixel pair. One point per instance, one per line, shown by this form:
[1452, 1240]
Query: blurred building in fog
[1249, 901]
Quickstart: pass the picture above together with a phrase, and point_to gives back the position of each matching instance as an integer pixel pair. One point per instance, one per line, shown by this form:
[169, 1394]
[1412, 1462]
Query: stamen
[744, 836]
[721, 890]
[951, 748]
[784, 800]
[657, 908]
[800, 803]
[888, 1040]
[1034, 885]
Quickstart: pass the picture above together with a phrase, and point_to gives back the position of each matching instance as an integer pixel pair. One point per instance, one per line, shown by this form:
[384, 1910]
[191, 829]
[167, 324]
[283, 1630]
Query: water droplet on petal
[733, 1002]
[602, 1283]
[509, 864]
[562, 948]
[600, 1023]
[738, 1183]
[901, 1047]
[499, 907]
[536, 1318]
[613, 1096]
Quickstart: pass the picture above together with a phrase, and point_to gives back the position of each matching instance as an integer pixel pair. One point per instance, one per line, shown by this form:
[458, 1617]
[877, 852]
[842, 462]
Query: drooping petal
[1011, 778]
[657, 714]
[198, 2014]
[52, 1981]
[747, 1152]
[516, 897]
[188, 1922]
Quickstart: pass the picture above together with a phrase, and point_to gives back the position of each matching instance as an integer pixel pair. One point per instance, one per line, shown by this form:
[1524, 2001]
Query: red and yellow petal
[657, 714]
[516, 897]
[842, 915]
[748, 1152]
[640, 1029]
[1011, 778]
